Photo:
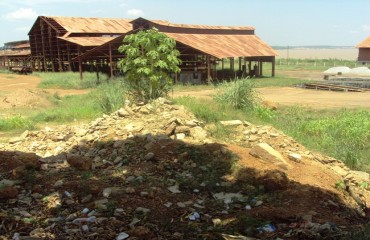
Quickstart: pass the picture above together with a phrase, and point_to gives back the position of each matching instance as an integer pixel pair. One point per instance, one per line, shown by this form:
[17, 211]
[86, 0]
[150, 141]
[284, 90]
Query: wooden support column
[240, 64]
[80, 63]
[273, 67]
[59, 57]
[223, 69]
[260, 68]
[232, 68]
[43, 47]
[69, 58]
[250, 68]
[51, 50]
[208, 69]
[110, 61]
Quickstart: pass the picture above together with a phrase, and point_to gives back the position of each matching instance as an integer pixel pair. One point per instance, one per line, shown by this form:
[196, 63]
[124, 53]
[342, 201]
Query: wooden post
[176, 78]
[80, 62]
[51, 50]
[208, 69]
[59, 57]
[273, 67]
[223, 69]
[250, 68]
[110, 61]
[240, 64]
[260, 68]
[69, 58]
[45, 68]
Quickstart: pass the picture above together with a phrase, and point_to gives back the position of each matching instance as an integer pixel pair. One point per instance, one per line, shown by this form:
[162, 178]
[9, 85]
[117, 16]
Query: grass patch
[278, 81]
[343, 134]
[70, 80]
[16, 122]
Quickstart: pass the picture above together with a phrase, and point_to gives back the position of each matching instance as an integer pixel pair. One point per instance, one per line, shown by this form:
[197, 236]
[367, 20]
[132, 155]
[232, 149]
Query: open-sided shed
[201, 48]
[56, 40]
[15, 55]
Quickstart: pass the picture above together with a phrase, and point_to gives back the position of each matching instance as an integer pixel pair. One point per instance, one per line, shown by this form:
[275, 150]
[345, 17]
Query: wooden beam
[240, 64]
[51, 49]
[59, 57]
[223, 69]
[80, 63]
[273, 67]
[43, 46]
[69, 58]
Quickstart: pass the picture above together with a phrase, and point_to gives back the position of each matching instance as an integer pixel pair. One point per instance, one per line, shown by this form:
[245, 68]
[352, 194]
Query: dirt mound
[153, 172]
[22, 98]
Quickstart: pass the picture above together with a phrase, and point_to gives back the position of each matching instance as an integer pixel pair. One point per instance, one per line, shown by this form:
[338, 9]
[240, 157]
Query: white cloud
[135, 12]
[22, 13]
[365, 28]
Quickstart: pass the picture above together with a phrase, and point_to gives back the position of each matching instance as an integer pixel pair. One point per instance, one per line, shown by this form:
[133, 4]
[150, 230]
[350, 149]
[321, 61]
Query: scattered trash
[248, 207]
[174, 189]
[68, 194]
[85, 211]
[268, 228]
[194, 216]
[122, 236]
[85, 228]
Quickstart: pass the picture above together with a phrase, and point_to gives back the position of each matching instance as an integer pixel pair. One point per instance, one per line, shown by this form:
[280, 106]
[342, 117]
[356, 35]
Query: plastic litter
[194, 216]
[248, 207]
[122, 236]
[268, 228]
[68, 194]
[85, 211]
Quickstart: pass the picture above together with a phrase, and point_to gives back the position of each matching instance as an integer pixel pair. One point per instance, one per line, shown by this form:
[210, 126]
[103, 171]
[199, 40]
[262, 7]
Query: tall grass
[70, 80]
[239, 94]
[16, 122]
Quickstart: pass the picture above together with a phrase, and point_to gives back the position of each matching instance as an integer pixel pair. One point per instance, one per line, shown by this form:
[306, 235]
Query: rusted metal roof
[166, 23]
[364, 44]
[88, 41]
[224, 46]
[11, 53]
[93, 25]
[23, 45]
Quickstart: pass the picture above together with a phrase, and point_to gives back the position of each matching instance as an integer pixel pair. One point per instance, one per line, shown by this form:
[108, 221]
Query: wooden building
[204, 50]
[364, 51]
[15, 56]
[56, 40]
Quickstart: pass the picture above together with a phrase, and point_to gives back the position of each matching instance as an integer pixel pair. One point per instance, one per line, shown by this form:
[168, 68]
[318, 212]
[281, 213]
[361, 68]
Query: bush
[239, 94]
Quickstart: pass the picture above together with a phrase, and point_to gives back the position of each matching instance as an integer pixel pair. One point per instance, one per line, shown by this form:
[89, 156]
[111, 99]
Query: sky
[277, 22]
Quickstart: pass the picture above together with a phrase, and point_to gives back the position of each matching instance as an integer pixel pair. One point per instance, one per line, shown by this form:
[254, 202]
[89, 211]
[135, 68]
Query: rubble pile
[153, 172]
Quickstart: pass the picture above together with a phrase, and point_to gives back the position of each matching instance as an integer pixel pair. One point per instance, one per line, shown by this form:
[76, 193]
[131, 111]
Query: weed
[340, 185]
[109, 96]
[87, 175]
[16, 122]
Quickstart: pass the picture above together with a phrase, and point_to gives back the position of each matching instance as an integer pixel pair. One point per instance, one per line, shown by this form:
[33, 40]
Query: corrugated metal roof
[364, 44]
[15, 53]
[88, 41]
[223, 46]
[93, 25]
[166, 23]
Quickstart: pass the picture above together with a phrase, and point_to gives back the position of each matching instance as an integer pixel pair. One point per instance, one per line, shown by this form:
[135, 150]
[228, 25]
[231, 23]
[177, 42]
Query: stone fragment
[231, 123]
[123, 113]
[79, 162]
[170, 129]
[149, 156]
[267, 153]
[295, 157]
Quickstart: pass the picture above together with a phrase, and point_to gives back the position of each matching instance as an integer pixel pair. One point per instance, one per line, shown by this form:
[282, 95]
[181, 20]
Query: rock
[198, 133]
[7, 183]
[149, 156]
[112, 191]
[182, 129]
[58, 183]
[86, 199]
[362, 176]
[142, 210]
[101, 203]
[79, 162]
[170, 129]
[267, 153]
[180, 136]
[8, 192]
[231, 123]
[295, 157]
[123, 113]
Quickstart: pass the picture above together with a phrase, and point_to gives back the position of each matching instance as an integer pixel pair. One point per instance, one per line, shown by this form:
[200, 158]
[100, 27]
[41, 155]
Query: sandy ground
[339, 53]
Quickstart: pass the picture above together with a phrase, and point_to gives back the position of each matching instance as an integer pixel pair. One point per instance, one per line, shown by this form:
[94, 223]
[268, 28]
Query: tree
[151, 57]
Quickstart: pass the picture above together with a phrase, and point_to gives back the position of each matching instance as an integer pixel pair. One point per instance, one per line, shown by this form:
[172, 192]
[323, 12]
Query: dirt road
[12, 86]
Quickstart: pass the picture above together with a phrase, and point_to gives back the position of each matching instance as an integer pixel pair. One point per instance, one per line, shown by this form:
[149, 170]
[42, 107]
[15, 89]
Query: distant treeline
[311, 47]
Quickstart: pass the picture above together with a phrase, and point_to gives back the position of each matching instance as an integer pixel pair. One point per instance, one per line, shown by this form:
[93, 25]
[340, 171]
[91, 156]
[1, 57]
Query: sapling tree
[150, 58]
